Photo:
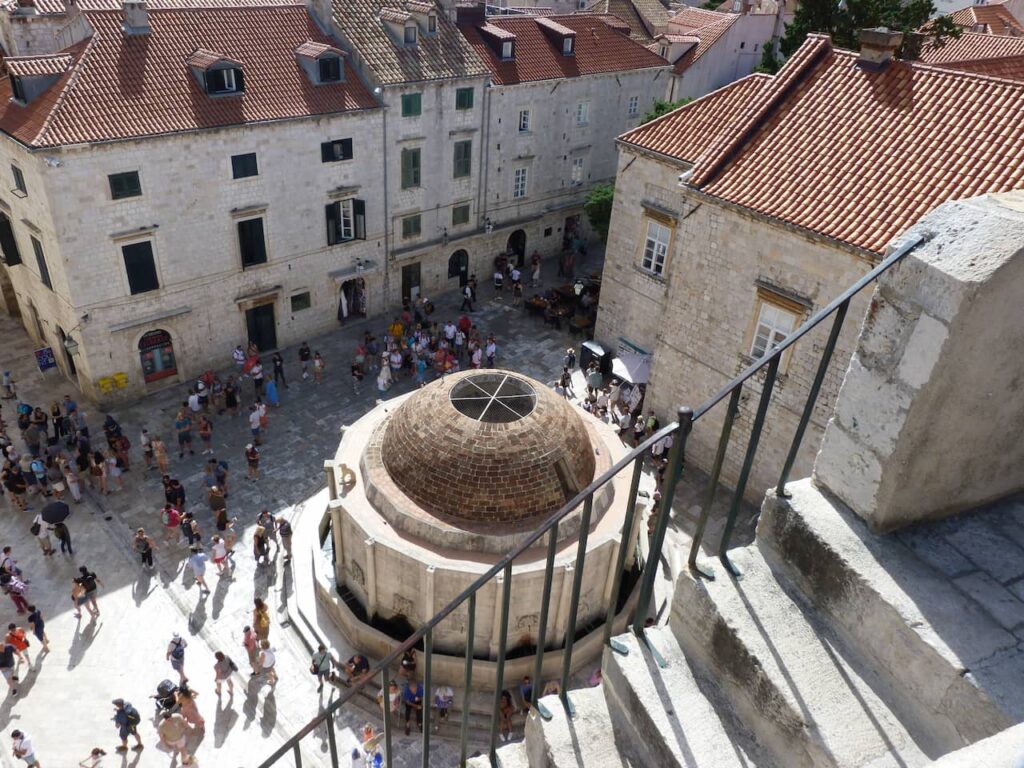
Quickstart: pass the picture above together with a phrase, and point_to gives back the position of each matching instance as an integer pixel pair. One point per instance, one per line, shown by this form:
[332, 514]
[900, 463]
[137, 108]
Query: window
[519, 183]
[663, 52]
[506, 49]
[301, 301]
[251, 242]
[583, 113]
[656, 247]
[330, 69]
[634, 106]
[346, 220]
[412, 104]
[410, 35]
[410, 168]
[224, 81]
[19, 180]
[463, 160]
[464, 98]
[460, 215]
[524, 121]
[244, 166]
[567, 45]
[140, 266]
[18, 90]
[411, 226]
[432, 24]
[124, 185]
[44, 272]
[773, 325]
[577, 171]
[334, 151]
[8, 243]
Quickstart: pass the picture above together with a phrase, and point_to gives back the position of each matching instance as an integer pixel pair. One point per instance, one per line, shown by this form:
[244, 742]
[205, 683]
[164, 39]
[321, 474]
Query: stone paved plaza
[64, 698]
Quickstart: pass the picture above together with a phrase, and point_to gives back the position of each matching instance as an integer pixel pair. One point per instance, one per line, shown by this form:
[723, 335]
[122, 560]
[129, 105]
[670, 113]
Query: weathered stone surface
[584, 740]
[998, 601]
[1004, 750]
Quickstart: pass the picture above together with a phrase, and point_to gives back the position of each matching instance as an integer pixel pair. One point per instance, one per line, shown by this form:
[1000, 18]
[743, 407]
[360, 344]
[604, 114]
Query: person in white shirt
[24, 749]
[239, 357]
[499, 281]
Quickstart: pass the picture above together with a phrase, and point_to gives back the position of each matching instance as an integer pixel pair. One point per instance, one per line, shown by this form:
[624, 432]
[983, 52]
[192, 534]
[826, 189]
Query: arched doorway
[458, 266]
[352, 299]
[69, 361]
[156, 353]
[516, 246]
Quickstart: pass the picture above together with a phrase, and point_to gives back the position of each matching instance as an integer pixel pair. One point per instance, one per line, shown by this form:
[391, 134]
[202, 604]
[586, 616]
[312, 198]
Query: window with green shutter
[44, 271]
[464, 98]
[411, 226]
[460, 214]
[124, 185]
[410, 168]
[412, 104]
[463, 158]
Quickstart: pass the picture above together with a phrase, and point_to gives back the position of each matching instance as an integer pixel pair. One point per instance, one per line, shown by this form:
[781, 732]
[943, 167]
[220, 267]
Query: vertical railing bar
[332, 739]
[716, 472]
[675, 461]
[506, 598]
[812, 397]
[574, 601]
[428, 653]
[624, 546]
[542, 628]
[297, 754]
[748, 463]
[467, 686]
[385, 686]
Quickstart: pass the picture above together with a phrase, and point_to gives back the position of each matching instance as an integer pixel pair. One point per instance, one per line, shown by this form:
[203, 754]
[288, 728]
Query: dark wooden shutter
[8, 243]
[333, 214]
[141, 269]
[359, 219]
[250, 238]
[346, 149]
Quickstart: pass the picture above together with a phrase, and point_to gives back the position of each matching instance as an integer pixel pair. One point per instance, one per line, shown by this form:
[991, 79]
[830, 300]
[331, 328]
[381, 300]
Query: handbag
[35, 528]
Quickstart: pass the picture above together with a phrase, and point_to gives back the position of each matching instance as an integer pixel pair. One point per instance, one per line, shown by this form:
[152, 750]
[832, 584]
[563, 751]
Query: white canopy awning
[632, 367]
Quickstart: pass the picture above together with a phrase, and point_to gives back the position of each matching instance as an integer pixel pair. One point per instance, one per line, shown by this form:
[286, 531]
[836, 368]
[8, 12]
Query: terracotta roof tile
[395, 14]
[550, 25]
[854, 155]
[497, 32]
[1009, 67]
[442, 56]
[314, 50]
[995, 20]
[417, 7]
[625, 10]
[598, 48]
[707, 26]
[972, 45]
[121, 87]
[204, 59]
[54, 64]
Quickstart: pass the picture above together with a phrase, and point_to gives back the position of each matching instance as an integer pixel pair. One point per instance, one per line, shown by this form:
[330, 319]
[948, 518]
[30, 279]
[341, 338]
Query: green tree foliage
[769, 62]
[598, 207]
[843, 20]
[660, 108]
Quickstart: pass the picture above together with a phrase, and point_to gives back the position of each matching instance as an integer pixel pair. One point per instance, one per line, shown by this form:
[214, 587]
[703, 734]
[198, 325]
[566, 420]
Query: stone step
[588, 739]
[667, 713]
[947, 667]
[1004, 750]
[784, 676]
[509, 756]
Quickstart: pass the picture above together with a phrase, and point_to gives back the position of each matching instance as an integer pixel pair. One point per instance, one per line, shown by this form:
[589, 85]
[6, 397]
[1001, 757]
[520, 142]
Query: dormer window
[18, 90]
[506, 50]
[330, 69]
[217, 74]
[567, 43]
[500, 40]
[32, 75]
[432, 24]
[323, 64]
[410, 34]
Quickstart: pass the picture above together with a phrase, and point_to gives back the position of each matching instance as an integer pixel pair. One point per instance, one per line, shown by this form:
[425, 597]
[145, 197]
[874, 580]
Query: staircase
[834, 648]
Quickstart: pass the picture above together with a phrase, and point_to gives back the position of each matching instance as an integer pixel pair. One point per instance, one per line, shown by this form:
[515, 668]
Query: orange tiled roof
[994, 19]
[204, 59]
[643, 19]
[313, 50]
[121, 87]
[1008, 67]
[53, 64]
[972, 45]
[855, 155]
[598, 48]
[707, 26]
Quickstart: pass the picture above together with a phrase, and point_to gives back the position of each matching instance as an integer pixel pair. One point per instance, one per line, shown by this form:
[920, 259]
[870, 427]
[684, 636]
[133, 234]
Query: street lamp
[577, 287]
[71, 346]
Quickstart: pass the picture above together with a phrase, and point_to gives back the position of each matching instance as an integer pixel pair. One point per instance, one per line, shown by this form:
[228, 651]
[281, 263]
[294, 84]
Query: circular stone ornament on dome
[494, 398]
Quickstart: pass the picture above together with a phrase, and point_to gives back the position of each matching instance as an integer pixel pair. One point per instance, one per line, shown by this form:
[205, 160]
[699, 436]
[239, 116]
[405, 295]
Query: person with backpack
[176, 655]
[127, 719]
[222, 670]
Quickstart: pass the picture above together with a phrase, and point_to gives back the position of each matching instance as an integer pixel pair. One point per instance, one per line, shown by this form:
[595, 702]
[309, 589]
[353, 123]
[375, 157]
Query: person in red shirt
[170, 518]
[16, 637]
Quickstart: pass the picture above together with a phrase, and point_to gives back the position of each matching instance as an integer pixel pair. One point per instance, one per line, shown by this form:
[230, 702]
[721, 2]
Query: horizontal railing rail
[679, 431]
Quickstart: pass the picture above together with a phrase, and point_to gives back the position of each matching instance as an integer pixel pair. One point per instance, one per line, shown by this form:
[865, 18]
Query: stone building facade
[740, 215]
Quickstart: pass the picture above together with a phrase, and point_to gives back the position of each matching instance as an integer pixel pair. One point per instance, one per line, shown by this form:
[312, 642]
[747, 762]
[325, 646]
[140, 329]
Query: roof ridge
[949, 67]
[803, 60]
[74, 69]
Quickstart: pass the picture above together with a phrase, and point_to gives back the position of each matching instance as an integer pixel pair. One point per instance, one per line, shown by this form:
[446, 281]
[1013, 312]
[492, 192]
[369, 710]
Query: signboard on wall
[45, 359]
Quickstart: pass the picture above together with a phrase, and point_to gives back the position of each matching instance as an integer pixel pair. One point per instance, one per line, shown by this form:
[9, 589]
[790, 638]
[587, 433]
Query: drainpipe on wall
[484, 152]
[387, 210]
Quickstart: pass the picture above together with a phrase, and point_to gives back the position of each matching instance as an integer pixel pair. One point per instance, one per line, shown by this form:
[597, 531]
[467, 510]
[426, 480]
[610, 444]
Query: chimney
[878, 47]
[136, 17]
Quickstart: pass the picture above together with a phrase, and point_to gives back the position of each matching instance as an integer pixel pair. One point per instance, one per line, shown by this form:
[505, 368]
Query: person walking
[71, 478]
[160, 454]
[261, 618]
[42, 531]
[186, 699]
[254, 425]
[146, 443]
[38, 626]
[278, 362]
[127, 719]
[219, 551]
[444, 696]
[231, 396]
[8, 667]
[206, 434]
[467, 299]
[251, 643]
[321, 666]
[16, 637]
[318, 368]
[284, 530]
[23, 749]
[257, 378]
[89, 582]
[252, 460]
[260, 546]
[15, 589]
[490, 351]
[268, 661]
[170, 518]
[197, 562]
[222, 669]
[173, 731]
[114, 470]
[412, 698]
[183, 427]
[143, 546]
[176, 655]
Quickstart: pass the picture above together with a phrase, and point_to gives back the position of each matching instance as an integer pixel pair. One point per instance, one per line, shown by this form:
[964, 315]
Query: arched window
[156, 353]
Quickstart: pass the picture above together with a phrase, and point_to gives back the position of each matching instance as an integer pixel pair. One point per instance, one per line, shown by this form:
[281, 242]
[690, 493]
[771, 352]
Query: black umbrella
[55, 512]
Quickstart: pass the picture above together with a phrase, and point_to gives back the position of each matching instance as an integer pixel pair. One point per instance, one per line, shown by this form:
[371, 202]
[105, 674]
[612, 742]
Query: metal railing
[680, 430]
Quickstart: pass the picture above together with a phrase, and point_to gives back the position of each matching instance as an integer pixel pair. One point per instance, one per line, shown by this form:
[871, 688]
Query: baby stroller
[165, 698]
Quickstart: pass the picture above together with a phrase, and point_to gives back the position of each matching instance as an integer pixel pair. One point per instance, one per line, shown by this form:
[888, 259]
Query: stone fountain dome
[488, 446]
